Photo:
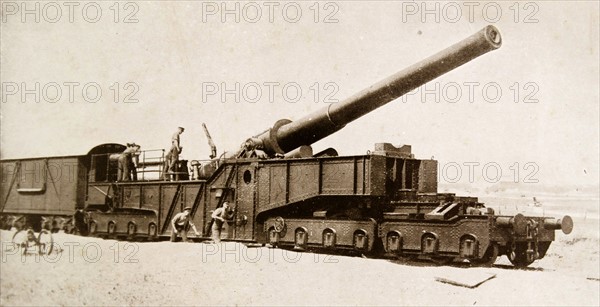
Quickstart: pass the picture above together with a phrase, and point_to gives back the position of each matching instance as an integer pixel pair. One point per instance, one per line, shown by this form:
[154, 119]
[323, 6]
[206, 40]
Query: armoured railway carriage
[384, 203]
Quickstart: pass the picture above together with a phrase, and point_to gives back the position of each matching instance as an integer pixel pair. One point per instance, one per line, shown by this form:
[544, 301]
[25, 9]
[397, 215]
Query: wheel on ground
[93, 229]
[131, 230]
[273, 237]
[46, 242]
[489, 258]
[152, 232]
[112, 228]
[518, 256]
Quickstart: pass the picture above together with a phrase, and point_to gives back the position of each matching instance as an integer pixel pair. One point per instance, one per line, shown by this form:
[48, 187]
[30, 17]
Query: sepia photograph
[299, 153]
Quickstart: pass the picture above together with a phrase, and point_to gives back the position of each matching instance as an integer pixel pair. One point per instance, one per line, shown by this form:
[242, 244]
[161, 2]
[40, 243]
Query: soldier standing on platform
[134, 161]
[173, 155]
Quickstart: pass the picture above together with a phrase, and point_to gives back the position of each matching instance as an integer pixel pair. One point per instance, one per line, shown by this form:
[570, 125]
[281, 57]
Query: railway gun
[384, 203]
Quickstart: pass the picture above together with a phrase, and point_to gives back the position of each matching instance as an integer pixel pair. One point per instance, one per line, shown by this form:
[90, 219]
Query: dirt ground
[90, 271]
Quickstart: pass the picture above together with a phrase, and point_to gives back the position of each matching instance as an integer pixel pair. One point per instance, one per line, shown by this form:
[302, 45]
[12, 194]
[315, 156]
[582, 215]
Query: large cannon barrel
[288, 135]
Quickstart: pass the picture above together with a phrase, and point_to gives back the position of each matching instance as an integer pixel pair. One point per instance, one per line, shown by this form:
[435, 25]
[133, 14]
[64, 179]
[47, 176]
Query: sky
[529, 110]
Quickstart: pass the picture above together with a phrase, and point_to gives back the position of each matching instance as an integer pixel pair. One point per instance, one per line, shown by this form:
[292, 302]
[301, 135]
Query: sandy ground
[92, 271]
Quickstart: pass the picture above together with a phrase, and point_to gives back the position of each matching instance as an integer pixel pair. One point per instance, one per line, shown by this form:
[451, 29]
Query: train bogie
[339, 235]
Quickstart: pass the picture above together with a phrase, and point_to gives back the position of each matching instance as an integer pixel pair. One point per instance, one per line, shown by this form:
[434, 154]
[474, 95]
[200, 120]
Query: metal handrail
[156, 162]
[160, 164]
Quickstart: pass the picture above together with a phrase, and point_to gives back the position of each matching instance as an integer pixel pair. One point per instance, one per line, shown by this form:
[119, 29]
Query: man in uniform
[219, 217]
[173, 155]
[134, 161]
[126, 165]
[181, 223]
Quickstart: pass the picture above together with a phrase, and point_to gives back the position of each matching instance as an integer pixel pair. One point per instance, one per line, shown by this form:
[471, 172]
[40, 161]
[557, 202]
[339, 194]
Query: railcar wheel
[111, 229]
[45, 242]
[93, 229]
[273, 237]
[543, 248]
[518, 256]
[489, 258]
[131, 230]
[300, 238]
[152, 232]
[360, 240]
